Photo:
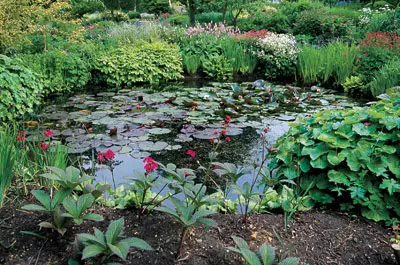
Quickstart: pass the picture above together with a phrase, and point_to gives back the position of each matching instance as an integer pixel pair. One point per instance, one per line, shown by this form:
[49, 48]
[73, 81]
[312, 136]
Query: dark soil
[315, 237]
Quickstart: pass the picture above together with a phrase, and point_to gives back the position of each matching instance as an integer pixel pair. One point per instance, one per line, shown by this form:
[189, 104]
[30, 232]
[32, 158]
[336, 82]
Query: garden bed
[315, 237]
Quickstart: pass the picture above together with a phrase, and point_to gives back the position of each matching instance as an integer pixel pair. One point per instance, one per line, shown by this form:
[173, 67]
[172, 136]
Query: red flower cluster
[44, 146]
[21, 136]
[151, 165]
[108, 154]
[48, 133]
[225, 125]
[386, 40]
[255, 34]
[191, 153]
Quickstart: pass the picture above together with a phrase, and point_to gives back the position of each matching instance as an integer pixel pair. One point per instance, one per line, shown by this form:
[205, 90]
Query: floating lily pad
[125, 150]
[140, 155]
[159, 131]
[150, 146]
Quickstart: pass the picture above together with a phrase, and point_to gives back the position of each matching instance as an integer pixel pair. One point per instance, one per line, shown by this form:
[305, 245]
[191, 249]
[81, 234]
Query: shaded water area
[167, 121]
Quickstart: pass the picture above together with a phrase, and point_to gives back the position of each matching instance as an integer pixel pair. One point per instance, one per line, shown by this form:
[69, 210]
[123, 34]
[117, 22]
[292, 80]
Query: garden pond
[140, 122]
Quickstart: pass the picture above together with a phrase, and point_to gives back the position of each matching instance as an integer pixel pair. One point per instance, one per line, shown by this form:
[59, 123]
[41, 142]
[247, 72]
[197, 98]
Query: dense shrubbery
[20, 89]
[349, 157]
[141, 62]
[81, 7]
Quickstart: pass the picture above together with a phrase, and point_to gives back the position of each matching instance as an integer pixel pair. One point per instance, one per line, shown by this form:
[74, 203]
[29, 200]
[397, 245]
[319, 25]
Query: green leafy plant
[20, 89]
[76, 208]
[217, 66]
[188, 216]
[354, 85]
[69, 178]
[387, 77]
[351, 155]
[108, 244]
[8, 158]
[265, 255]
[141, 62]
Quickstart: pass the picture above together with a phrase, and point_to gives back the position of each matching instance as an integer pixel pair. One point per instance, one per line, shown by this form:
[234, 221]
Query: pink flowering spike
[109, 154]
[44, 146]
[191, 153]
[48, 133]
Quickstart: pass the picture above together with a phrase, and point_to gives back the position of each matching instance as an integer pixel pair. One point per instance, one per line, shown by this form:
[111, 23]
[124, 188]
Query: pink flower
[48, 133]
[100, 157]
[367, 123]
[212, 140]
[265, 130]
[216, 167]
[228, 119]
[21, 136]
[191, 153]
[151, 165]
[215, 132]
[138, 107]
[109, 154]
[44, 146]
[228, 139]
[223, 131]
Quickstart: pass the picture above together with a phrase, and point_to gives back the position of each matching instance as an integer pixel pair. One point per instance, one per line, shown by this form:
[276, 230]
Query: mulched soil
[316, 237]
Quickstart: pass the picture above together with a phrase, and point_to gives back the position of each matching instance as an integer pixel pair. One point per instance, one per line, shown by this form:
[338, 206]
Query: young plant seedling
[76, 208]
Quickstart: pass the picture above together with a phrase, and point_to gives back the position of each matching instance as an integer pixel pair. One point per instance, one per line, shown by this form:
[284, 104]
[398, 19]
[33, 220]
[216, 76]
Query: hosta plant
[265, 255]
[350, 157]
[100, 247]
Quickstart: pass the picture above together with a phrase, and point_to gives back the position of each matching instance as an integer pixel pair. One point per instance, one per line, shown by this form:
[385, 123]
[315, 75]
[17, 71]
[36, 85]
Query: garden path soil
[316, 237]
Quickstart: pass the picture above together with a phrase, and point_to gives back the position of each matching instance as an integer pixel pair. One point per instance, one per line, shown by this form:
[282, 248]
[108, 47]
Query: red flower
[100, 157]
[187, 174]
[223, 131]
[138, 107]
[109, 154]
[212, 140]
[228, 139]
[191, 153]
[151, 165]
[21, 136]
[48, 133]
[215, 132]
[228, 119]
[216, 167]
[44, 146]
[367, 123]
[266, 130]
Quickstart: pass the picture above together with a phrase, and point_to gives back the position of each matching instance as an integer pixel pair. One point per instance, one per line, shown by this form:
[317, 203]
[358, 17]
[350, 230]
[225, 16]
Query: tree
[191, 6]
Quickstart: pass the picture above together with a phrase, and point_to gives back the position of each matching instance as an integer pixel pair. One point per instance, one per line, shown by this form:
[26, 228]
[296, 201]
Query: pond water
[165, 123]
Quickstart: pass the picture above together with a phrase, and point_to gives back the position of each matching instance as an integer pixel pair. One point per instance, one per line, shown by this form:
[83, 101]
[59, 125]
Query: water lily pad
[70, 132]
[140, 155]
[150, 146]
[125, 150]
[159, 131]
[286, 118]
[174, 147]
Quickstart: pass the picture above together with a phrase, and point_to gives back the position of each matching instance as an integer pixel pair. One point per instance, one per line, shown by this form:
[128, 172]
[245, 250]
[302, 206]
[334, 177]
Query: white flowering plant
[279, 54]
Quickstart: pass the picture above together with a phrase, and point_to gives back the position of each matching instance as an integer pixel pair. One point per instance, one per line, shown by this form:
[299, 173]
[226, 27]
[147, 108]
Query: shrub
[276, 22]
[279, 53]
[20, 89]
[141, 62]
[348, 157]
[335, 27]
[309, 22]
[354, 85]
[213, 17]
[178, 20]
[133, 14]
[81, 7]
[385, 78]
[156, 7]
[60, 71]
[292, 9]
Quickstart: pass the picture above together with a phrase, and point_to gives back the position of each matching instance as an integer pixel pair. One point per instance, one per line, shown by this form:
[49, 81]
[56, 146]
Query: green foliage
[133, 14]
[387, 77]
[217, 67]
[127, 33]
[178, 20]
[354, 85]
[156, 6]
[141, 62]
[108, 244]
[274, 22]
[372, 60]
[351, 155]
[293, 9]
[69, 178]
[191, 63]
[81, 7]
[20, 89]
[335, 61]
[213, 17]
[308, 22]
[265, 255]
[76, 208]
[60, 71]
[7, 162]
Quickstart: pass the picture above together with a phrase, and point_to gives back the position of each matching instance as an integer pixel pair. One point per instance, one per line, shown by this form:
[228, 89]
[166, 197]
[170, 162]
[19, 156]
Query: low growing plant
[100, 247]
